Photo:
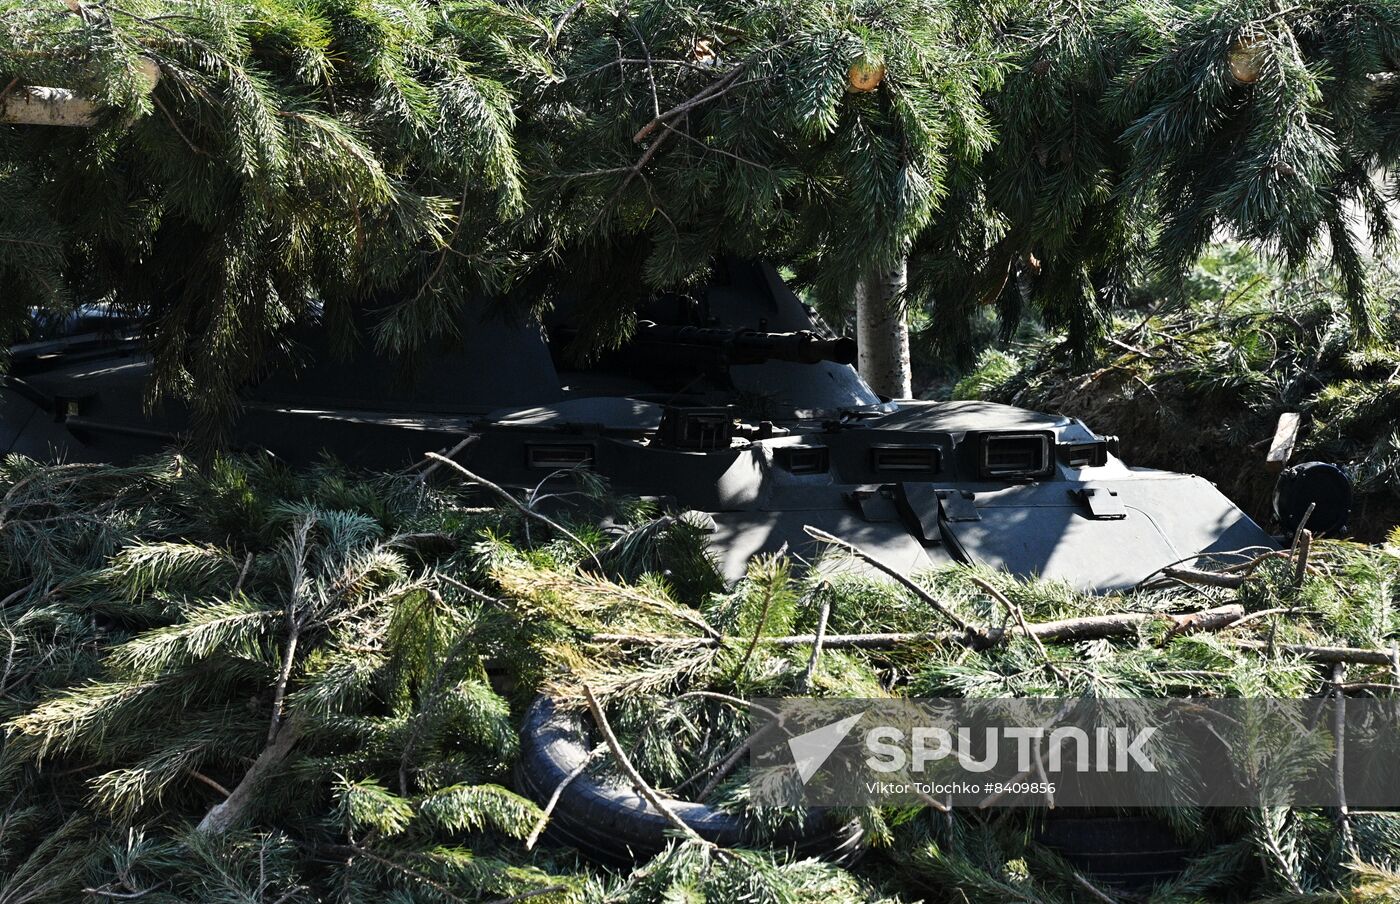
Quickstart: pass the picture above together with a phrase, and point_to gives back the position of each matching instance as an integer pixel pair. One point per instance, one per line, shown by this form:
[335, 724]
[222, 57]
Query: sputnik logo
[811, 749]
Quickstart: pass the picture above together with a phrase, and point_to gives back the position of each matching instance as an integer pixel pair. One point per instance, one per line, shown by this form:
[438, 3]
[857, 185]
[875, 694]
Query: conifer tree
[294, 159]
[300, 161]
[1131, 135]
[1026, 155]
[820, 135]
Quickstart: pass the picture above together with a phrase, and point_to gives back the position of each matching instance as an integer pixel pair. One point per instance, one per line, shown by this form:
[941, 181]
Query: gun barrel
[750, 346]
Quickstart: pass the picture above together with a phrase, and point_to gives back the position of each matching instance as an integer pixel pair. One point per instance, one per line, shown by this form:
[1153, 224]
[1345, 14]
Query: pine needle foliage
[1129, 136]
[377, 167]
[147, 682]
[294, 159]
[675, 133]
[151, 674]
[648, 661]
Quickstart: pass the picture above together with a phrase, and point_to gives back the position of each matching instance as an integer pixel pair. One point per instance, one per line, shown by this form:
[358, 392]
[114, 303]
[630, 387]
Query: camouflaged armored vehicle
[734, 402]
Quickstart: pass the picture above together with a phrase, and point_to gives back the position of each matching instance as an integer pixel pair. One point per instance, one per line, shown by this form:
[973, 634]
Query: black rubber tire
[1121, 851]
[612, 824]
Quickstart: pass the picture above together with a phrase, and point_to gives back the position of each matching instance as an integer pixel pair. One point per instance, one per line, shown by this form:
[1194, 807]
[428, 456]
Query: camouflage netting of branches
[234, 683]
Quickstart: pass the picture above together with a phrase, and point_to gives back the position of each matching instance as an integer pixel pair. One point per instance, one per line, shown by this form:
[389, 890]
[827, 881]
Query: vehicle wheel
[610, 823]
[1122, 851]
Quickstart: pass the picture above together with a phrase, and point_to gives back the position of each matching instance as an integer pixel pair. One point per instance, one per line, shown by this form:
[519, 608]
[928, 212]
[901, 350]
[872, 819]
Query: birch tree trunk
[40, 106]
[882, 332]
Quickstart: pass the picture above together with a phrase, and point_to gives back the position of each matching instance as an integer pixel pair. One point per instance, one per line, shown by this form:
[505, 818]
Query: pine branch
[520, 506]
[904, 581]
[229, 813]
[1089, 627]
[624, 763]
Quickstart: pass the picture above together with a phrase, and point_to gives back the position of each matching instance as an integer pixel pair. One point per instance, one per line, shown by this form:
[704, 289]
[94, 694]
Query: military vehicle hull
[701, 414]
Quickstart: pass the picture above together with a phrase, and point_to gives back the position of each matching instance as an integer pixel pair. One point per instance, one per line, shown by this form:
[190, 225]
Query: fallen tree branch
[1262, 613]
[554, 800]
[727, 766]
[1339, 734]
[1300, 564]
[906, 582]
[1091, 627]
[296, 621]
[226, 814]
[858, 641]
[645, 790]
[200, 776]
[1094, 891]
[1015, 612]
[456, 450]
[1208, 578]
[757, 631]
[1119, 624]
[516, 503]
[805, 684]
[1356, 655]
[707, 93]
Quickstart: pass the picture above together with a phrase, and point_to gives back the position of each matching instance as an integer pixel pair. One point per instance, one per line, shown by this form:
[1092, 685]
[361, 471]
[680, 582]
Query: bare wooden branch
[728, 764]
[805, 684]
[522, 507]
[1015, 612]
[450, 453]
[645, 790]
[1119, 624]
[201, 777]
[296, 620]
[1208, 578]
[558, 792]
[709, 92]
[1300, 558]
[1339, 714]
[905, 581]
[1262, 613]
[832, 641]
[1094, 891]
[1091, 627]
[1354, 655]
[223, 816]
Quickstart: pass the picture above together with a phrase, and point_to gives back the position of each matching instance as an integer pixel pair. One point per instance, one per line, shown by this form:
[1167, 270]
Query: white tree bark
[40, 106]
[882, 332]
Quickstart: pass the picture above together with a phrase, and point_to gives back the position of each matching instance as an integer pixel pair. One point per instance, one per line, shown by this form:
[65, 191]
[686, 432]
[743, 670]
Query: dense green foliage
[381, 164]
[292, 153]
[1130, 134]
[1197, 375]
[356, 651]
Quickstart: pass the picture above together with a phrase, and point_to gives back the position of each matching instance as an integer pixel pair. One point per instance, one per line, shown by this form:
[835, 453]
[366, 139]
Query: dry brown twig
[625, 764]
[819, 534]
[520, 506]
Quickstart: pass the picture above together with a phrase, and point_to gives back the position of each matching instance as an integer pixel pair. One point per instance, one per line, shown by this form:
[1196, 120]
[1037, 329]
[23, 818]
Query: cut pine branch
[1092, 627]
[903, 579]
[645, 790]
[228, 813]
